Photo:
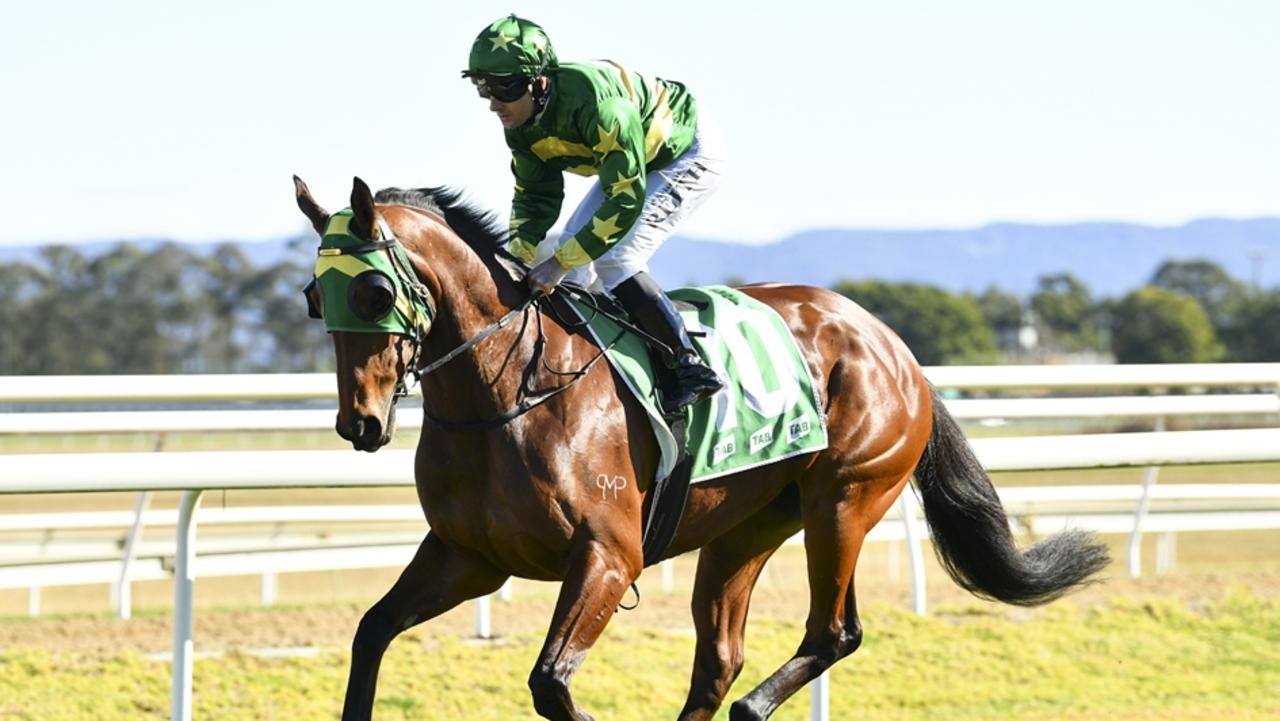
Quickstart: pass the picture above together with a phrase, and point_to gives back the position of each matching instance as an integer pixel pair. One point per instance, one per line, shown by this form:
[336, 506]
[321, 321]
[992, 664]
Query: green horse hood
[350, 271]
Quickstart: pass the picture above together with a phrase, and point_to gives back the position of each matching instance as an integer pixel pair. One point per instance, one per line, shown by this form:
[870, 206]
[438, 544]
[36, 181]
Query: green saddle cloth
[768, 410]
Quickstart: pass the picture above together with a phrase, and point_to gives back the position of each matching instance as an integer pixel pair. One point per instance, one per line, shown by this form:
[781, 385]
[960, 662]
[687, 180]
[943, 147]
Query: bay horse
[518, 496]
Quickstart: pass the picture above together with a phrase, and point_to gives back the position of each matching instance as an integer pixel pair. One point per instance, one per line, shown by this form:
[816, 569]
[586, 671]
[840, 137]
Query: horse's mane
[481, 229]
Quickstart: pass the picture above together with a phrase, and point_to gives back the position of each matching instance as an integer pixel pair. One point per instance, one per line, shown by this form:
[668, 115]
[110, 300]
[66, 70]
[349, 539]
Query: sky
[183, 120]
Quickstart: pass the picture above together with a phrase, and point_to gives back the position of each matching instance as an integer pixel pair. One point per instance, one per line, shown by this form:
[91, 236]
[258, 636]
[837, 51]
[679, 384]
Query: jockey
[656, 155]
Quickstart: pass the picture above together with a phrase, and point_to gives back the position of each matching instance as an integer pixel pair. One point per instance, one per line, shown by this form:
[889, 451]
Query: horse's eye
[311, 291]
[371, 296]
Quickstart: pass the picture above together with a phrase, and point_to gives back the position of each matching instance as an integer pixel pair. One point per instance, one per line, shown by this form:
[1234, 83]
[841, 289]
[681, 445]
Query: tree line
[1188, 312]
[168, 309]
[171, 309]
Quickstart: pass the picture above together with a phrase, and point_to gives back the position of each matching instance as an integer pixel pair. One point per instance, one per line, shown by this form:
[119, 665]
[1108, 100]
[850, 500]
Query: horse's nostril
[369, 432]
[358, 428]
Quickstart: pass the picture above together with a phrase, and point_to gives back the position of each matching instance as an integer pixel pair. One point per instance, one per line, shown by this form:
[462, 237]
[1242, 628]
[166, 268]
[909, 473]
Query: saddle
[768, 410]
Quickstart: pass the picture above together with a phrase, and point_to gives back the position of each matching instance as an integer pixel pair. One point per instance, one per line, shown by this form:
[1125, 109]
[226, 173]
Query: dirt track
[782, 594]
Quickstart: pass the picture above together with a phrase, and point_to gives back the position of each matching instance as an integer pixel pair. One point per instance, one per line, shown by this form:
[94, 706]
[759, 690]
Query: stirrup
[691, 397]
[694, 382]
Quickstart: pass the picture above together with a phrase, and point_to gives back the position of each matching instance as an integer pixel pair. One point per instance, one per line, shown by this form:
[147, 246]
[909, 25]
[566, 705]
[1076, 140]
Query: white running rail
[195, 472]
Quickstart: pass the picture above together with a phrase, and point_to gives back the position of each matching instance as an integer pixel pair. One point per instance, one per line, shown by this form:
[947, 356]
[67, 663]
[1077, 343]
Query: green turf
[1126, 659]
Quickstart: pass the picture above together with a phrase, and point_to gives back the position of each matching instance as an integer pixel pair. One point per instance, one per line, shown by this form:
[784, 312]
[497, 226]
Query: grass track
[1125, 659]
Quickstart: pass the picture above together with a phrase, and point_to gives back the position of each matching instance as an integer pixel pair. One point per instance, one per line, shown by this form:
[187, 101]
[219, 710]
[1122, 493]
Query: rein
[403, 389]
[420, 297]
[530, 398]
[580, 295]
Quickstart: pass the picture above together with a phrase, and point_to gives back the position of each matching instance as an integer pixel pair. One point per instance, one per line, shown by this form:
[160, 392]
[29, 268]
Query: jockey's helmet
[511, 46]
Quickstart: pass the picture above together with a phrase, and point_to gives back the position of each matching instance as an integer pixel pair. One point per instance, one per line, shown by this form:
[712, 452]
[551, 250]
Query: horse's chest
[520, 520]
[520, 499]
[483, 510]
[456, 503]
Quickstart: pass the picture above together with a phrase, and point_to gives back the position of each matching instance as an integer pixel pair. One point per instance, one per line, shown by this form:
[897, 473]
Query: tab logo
[797, 430]
[723, 451]
[760, 440]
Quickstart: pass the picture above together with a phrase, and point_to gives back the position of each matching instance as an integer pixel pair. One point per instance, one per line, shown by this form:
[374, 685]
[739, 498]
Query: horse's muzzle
[365, 433]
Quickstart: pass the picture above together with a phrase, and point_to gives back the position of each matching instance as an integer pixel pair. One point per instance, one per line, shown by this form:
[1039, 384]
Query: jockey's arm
[619, 159]
[535, 204]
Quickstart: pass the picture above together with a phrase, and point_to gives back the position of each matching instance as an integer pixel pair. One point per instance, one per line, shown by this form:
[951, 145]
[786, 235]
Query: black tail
[971, 532]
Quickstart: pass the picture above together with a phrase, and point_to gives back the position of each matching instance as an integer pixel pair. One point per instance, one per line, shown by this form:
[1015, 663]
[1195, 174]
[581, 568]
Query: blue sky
[186, 120]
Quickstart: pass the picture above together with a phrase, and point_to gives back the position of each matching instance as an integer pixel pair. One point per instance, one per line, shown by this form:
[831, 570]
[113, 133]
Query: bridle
[416, 323]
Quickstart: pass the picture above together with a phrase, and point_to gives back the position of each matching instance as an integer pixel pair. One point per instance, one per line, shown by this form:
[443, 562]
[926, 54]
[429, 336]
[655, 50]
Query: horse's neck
[472, 295]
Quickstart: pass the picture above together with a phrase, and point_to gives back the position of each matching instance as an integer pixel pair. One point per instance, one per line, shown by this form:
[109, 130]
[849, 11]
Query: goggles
[504, 89]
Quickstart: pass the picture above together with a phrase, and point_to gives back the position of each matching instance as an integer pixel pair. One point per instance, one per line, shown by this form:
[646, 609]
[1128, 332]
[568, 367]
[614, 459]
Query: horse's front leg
[438, 578]
[601, 572]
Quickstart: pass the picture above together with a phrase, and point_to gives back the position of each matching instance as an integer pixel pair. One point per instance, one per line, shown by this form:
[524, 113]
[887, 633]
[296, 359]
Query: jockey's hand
[545, 276]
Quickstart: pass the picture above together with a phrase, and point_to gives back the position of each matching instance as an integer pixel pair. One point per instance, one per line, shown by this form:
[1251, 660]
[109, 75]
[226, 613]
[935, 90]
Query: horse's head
[375, 308]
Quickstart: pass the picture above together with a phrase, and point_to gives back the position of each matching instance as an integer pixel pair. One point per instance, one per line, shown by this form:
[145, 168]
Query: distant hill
[1112, 258]
[262, 252]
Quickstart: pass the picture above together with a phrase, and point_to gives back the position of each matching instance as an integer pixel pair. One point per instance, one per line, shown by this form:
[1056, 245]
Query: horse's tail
[971, 531]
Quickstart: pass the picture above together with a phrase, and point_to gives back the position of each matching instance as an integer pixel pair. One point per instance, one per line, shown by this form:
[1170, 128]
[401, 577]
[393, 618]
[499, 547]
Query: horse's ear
[318, 216]
[362, 207]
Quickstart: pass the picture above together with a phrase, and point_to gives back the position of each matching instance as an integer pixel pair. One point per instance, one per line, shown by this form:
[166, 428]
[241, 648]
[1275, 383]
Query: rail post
[270, 588]
[184, 577]
[1149, 476]
[820, 698]
[122, 592]
[483, 627]
[907, 507]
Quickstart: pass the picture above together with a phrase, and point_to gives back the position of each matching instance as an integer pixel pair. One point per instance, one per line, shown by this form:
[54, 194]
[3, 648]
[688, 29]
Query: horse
[509, 489]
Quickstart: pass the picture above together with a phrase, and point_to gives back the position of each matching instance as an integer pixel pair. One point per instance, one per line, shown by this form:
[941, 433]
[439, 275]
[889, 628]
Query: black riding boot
[652, 311]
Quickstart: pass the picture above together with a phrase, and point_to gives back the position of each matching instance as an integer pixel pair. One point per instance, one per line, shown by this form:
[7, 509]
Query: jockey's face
[515, 113]
[511, 100]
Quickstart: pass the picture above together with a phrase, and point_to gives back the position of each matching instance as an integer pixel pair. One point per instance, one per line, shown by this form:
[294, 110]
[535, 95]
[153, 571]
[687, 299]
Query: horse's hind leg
[837, 517]
[728, 569]
[437, 579]
[599, 576]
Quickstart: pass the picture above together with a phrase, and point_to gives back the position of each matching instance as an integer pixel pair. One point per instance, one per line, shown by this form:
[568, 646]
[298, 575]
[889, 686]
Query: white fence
[194, 472]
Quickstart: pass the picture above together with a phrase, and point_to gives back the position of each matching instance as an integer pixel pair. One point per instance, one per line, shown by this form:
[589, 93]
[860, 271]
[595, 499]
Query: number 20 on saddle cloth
[767, 410]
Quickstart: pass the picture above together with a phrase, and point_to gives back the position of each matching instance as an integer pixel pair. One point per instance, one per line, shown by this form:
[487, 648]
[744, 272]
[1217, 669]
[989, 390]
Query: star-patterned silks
[624, 185]
[510, 46]
[518, 246]
[608, 141]
[611, 145]
[501, 41]
[605, 229]
[555, 147]
[522, 249]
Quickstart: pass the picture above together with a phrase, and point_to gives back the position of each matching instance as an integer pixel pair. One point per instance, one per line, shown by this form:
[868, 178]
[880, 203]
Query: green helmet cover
[337, 267]
[511, 46]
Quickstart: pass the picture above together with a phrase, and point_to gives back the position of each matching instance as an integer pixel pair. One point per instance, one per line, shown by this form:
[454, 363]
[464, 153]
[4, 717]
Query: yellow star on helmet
[608, 140]
[605, 229]
[501, 41]
[624, 185]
